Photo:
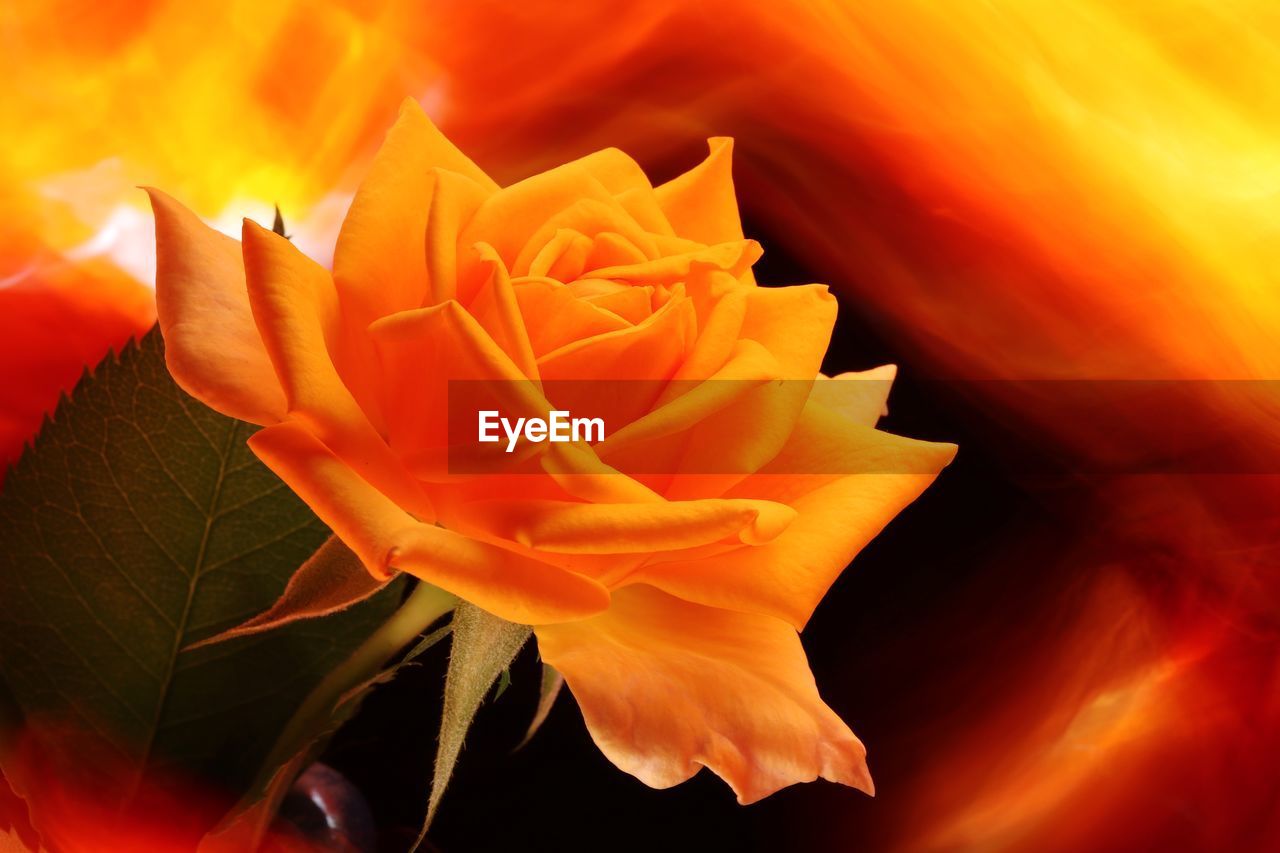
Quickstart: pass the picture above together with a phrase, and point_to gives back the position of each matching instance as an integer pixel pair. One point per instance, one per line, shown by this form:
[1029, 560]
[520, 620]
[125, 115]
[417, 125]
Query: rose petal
[653, 349]
[718, 335]
[555, 317]
[667, 687]
[498, 312]
[212, 346]
[379, 263]
[296, 310]
[642, 203]
[562, 258]
[645, 355]
[616, 171]
[695, 428]
[563, 527]
[701, 204]
[633, 303]
[735, 258]
[385, 537]
[578, 470]
[589, 217]
[610, 248]
[861, 396]
[839, 513]
[509, 219]
[793, 323]
[694, 402]
[419, 352]
[454, 199]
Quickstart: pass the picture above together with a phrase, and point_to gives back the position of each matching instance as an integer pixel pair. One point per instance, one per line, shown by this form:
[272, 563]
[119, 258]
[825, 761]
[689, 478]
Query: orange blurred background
[1006, 190]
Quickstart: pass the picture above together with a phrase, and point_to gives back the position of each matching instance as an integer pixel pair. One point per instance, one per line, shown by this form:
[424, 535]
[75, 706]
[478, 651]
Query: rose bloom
[670, 603]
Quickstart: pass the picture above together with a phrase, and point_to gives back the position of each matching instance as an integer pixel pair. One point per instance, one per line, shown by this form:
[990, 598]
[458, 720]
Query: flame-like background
[1000, 190]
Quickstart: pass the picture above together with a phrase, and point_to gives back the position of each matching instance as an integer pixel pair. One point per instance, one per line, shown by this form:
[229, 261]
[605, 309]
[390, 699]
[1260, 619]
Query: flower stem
[424, 606]
[247, 826]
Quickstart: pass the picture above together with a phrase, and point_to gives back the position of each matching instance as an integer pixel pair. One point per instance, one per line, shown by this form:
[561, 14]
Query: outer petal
[628, 528]
[793, 323]
[379, 263]
[701, 204]
[385, 537]
[387, 259]
[616, 171]
[212, 346]
[419, 353]
[839, 512]
[296, 311]
[667, 687]
[861, 396]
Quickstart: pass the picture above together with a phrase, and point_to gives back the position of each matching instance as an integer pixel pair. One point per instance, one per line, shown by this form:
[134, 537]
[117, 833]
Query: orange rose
[670, 602]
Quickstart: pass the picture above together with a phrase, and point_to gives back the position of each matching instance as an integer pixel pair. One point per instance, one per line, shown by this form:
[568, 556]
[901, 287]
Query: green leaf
[483, 646]
[552, 684]
[334, 701]
[504, 681]
[138, 524]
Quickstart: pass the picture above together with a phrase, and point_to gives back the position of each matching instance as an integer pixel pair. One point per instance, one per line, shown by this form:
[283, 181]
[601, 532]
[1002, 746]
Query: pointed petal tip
[153, 193]
[884, 371]
[254, 234]
[945, 453]
[172, 216]
[212, 346]
[866, 785]
[166, 207]
[851, 768]
[846, 765]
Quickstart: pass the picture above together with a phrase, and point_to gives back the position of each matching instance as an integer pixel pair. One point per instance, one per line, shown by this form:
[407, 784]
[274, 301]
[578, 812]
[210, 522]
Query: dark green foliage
[140, 522]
